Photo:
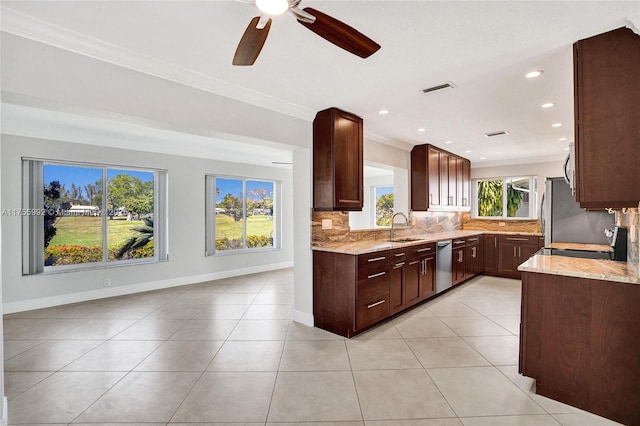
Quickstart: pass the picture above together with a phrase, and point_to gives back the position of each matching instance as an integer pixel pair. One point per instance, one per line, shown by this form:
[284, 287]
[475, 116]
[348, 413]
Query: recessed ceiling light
[383, 112]
[483, 158]
[448, 142]
[556, 125]
[534, 74]
[562, 139]
[422, 129]
[467, 151]
[548, 105]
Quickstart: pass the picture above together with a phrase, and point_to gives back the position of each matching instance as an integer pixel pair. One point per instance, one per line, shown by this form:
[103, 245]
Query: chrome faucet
[393, 229]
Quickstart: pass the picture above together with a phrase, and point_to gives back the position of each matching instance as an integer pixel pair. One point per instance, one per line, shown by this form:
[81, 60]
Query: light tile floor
[226, 352]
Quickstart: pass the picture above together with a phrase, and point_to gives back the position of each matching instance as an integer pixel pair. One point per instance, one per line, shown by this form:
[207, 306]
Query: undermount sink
[405, 240]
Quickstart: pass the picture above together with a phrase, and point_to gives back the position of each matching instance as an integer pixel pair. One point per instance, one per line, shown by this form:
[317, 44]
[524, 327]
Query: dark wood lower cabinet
[353, 293]
[580, 340]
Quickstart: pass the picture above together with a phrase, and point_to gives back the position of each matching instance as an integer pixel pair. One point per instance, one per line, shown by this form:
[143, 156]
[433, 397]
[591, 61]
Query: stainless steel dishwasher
[443, 266]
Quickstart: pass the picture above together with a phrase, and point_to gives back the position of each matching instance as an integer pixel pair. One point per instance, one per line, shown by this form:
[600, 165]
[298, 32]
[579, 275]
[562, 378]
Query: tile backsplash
[421, 223]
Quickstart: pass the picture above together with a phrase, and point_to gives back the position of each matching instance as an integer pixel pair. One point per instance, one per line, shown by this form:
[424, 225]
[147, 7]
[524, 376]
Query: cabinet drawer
[375, 258]
[371, 310]
[459, 242]
[519, 239]
[373, 284]
[421, 250]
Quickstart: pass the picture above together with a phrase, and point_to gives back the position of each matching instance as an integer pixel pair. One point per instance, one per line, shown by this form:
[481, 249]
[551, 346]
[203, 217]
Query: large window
[79, 215]
[241, 214]
[511, 197]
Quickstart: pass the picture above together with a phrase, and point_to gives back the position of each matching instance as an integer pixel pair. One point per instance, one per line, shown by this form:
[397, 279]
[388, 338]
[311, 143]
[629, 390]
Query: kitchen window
[508, 197]
[241, 214]
[79, 215]
[383, 208]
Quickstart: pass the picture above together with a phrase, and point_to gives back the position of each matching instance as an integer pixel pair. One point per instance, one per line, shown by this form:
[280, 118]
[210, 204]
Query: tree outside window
[384, 205]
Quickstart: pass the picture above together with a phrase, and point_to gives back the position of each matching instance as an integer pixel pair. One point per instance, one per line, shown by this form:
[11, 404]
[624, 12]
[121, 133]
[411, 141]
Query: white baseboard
[303, 318]
[47, 302]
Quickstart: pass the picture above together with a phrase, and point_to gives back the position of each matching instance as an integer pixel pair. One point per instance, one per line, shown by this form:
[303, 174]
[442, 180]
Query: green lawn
[256, 225]
[86, 231]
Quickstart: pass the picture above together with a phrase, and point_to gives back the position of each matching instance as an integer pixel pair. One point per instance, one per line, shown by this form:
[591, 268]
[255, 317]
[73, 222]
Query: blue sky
[383, 190]
[234, 187]
[84, 175]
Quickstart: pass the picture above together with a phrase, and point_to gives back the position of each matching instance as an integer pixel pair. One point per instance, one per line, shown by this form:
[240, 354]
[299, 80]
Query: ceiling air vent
[498, 133]
[447, 85]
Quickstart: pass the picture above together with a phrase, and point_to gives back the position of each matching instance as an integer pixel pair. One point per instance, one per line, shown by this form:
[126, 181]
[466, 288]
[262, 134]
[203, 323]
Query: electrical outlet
[106, 282]
[327, 224]
[502, 224]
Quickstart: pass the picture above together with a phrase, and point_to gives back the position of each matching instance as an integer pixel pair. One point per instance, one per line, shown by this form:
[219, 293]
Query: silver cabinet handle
[376, 275]
[514, 251]
[376, 259]
[376, 304]
[495, 241]
[399, 254]
[473, 239]
[517, 239]
[424, 249]
[459, 242]
[398, 265]
[460, 256]
[473, 252]
[520, 251]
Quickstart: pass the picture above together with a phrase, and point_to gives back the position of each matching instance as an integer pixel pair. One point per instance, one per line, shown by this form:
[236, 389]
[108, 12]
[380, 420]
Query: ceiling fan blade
[251, 43]
[340, 34]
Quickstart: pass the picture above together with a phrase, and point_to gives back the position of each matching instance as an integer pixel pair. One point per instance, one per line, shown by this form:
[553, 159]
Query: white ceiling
[484, 48]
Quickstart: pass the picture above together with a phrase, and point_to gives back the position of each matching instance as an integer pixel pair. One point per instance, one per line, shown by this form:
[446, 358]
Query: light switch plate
[327, 224]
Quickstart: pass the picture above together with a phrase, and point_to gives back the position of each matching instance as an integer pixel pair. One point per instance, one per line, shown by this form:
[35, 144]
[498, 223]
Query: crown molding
[29, 27]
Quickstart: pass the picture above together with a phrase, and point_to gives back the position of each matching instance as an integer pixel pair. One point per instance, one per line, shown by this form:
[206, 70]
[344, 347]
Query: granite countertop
[370, 246]
[576, 246]
[597, 269]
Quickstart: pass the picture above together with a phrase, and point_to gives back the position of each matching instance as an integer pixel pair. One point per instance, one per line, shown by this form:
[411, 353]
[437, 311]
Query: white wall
[541, 170]
[3, 408]
[187, 262]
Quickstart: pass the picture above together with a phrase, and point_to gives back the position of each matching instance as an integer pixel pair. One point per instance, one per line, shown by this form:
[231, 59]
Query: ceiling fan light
[273, 7]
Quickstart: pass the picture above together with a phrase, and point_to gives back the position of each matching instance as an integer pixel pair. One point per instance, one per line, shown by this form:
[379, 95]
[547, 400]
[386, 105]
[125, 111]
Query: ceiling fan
[337, 32]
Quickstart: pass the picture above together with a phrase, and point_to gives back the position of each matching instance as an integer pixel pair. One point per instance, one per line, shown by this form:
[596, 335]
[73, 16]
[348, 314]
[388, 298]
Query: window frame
[33, 227]
[210, 222]
[533, 197]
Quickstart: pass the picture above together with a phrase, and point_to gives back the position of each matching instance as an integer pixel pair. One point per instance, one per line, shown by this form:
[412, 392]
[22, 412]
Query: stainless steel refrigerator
[563, 221]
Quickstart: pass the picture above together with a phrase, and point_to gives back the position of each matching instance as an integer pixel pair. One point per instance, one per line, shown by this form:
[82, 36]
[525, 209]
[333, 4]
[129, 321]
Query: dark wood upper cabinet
[337, 161]
[440, 180]
[607, 117]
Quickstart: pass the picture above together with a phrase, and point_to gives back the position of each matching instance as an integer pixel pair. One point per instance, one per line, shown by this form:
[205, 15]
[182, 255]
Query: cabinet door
[412, 282]
[472, 259]
[466, 183]
[434, 177]
[458, 265]
[397, 287]
[607, 89]
[526, 251]
[428, 277]
[508, 259]
[453, 181]
[460, 202]
[444, 179]
[490, 254]
[348, 160]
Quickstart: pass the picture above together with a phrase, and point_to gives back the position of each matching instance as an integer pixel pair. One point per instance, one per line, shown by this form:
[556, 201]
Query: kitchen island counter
[597, 269]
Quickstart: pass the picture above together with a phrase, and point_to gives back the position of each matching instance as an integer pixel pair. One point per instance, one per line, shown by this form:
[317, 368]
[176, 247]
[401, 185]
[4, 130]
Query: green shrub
[75, 254]
[253, 241]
